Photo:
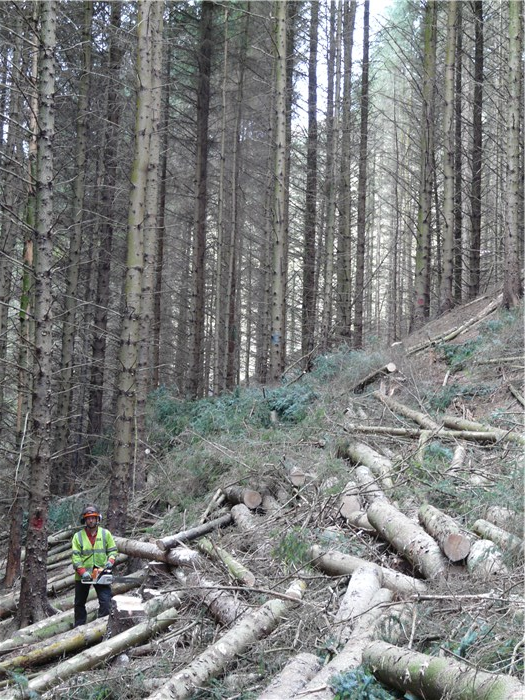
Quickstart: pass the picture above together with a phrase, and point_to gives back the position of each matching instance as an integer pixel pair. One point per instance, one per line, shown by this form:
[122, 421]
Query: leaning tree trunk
[33, 593]
[436, 678]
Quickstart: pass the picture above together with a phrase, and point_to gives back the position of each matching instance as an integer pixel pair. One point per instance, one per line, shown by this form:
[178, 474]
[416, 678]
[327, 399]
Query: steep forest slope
[369, 510]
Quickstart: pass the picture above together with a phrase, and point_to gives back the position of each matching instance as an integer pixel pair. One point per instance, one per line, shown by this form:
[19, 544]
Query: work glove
[109, 566]
[86, 576]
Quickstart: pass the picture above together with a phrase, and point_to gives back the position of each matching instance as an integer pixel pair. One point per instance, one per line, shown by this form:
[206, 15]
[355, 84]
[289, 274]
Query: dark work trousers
[81, 596]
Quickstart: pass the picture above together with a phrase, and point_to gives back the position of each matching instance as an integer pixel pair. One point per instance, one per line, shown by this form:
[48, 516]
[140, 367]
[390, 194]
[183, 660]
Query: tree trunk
[33, 594]
[338, 564]
[126, 409]
[421, 301]
[362, 454]
[447, 275]
[513, 283]
[434, 677]
[198, 272]
[310, 216]
[279, 230]
[477, 154]
[424, 420]
[61, 471]
[357, 600]
[408, 538]
[238, 494]
[179, 556]
[211, 662]
[506, 541]
[237, 570]
[452, 540]
[357, 340]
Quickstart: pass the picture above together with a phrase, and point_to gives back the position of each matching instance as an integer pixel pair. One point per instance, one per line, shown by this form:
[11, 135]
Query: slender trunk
[357, 340]
[477, 154]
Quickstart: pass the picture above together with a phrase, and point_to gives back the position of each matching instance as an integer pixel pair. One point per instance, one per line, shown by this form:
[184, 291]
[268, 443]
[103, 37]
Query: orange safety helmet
[90, 510]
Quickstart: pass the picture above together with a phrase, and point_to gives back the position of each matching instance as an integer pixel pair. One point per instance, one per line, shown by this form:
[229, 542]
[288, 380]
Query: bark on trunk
[368, 485]
[350, 656]
[91, 658]
[193, 533]
[362, 587]
[293, 677]
[485, 560]
[381, 372]
[237, 570]
[501, 434]
[224, 607]
[350, 501]
[362, 454]
[238, 494]
[181, 556]
[251, 627]
[452, 540]
[422, 419]
[338, 564]
[409, 539]
[502, 538]
[435, 678]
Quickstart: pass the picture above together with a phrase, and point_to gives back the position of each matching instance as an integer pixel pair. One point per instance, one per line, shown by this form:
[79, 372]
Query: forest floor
[295, 445]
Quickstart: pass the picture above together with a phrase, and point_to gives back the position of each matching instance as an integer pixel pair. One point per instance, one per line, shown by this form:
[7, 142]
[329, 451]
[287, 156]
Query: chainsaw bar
[108, 579]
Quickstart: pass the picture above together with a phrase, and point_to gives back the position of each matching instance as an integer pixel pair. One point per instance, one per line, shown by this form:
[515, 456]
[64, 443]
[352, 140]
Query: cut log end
[456, 547]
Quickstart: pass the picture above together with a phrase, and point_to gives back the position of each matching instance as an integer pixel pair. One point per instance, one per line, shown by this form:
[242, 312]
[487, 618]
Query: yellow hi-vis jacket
[87, 556]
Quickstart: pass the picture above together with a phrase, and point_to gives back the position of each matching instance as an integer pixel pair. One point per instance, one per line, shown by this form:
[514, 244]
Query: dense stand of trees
[198, 194]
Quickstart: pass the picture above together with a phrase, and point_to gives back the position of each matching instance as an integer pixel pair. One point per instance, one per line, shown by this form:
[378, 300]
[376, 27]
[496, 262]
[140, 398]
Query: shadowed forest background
[202, 196]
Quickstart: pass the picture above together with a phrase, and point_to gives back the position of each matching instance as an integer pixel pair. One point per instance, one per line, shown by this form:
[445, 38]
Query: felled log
[385, 370]
[179, 556]
[453, 333]
[223, 606]
[91, 658]
[417, 433]
[369, 485]
[499, 433]
[251, 627]
[338, 564]
[502, 538]
[239, 494]
[408, 538]
[350, 656]
[293, 677]
[424, 420]
[359, 519]
[458, 459]
[42, 652]
[350, 501]
[436, 677]
[453, 541]
[237, 570]
[193, 533]
[362, 587]
[504, 517]
[362, 454]
[485, 560]
[244, 519]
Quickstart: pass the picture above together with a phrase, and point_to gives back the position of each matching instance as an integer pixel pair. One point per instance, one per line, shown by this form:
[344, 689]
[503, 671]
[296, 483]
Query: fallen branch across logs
[437, 677]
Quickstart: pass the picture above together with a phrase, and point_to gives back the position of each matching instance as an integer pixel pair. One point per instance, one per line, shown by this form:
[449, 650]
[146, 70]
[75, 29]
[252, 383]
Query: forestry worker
[93, 552]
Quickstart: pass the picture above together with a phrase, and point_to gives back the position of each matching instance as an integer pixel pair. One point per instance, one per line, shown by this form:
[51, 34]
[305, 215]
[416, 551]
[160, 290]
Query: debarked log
[453, 541]
[408, 538]
[437, 677]
[193, 533]
[293, 677]
[339, 564]
[250, 628]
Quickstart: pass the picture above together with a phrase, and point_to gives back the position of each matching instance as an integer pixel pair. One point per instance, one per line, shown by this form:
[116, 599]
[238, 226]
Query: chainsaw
[100, 576]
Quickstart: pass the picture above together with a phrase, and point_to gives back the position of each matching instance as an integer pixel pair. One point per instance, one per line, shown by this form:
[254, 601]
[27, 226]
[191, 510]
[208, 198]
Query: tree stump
[126, 611]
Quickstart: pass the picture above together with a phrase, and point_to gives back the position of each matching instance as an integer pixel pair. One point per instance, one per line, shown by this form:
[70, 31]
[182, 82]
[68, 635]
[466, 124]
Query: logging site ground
[356, 532]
